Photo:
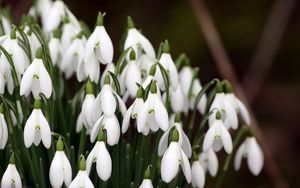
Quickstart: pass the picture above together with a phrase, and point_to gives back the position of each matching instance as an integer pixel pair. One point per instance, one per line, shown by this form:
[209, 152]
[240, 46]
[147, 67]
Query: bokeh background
[240, 25]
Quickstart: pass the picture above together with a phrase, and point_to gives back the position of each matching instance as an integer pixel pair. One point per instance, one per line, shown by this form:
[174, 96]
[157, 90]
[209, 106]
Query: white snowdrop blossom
[60, 169]
[37, 128]
[11, 177]
[69, 32]
[137, 41]
[110, 67]
[5, 24]
[167, 62]
[36, 79]
[101, 157]
[183, 140]
[3, 129]
[73, 55]
[217, 136]
[55, 48]
[209, 162]
[99, 44]
[172, 158]
[251, 150]
[18, 55]
[145, 63]
[153, 114]
[179, 102]
[191, 87]
[6, 78]
[82, 179]
[133, 110]
[198, 175]
[222, 104]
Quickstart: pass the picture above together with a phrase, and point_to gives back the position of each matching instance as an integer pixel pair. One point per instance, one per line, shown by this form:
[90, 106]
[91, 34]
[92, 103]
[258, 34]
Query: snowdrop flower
[90, 112]
[198, 174]
[43, 8]
[55, 47]
[3, 129]
[167, 62]
[217, 136]
[101, 157]
[153, 115]
[99, 43]
[236, 103]
[60, 169]
[69, 32]
[37, 128]
[150, 77]
[82, 179]
[33, 40]
[108, 101]
[147, 183]
[36, 79]
[18, 55]
[56, 15]
[133, 111]
[220, 102]
[89, 69]
[209, 162]
[179, 102]
[250, 149]
[183, 139]
[73, 55]
[132, 75]
[173, 157]
[11, 177]
[137, 41]
[191, 86]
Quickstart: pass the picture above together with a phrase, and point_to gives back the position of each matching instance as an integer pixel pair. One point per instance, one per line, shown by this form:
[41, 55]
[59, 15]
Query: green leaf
[120, 63]
[165, 76]
[116, 82]
[25, 44]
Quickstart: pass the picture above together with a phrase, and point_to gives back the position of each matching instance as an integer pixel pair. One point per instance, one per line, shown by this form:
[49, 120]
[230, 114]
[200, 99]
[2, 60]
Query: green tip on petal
[82, 163]
[13, 33]
[102, 135]
[218, 115]
[152, 70]
[79, 35]
[57, 33]
[89, 88]
[130, 23]
[166, 47]
[59, 145]
[12, 159]
[107, 79]
[147, 174]
[37, 104]
[219, 87]
[65, 19]
[39, 53]
[153, 87]
[195, 156]
[1, 108]
[177, 118]
[175, 136]
[100, 18]
[227, 86]
[132, 56]
[139, 93]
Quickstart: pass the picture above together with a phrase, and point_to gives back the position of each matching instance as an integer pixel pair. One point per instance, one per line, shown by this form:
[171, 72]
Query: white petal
[56, 170]
[142, 117]
[198, 175]
[45, 81]
[145, 43]
[104, 164]
[163, 143]
[213, 163]
[45, 130]
[126, 119]
[95, 129]
[92, 69]
[226, 139]
[243, 111]
[108, 101]
[112, 127]
[4, 135]
[67, 170]
[105, 46]
[186, 145]
[255, 157]
[29, 129]
[133, 76]
[239, 156]
[27, 79]
[170, 163]
[185, 165]
[11, 175]
[161, 114]
[209, 138]
[146, 184]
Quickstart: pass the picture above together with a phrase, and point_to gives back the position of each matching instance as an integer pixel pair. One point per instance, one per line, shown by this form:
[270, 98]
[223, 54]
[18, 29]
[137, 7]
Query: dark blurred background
[240, 25]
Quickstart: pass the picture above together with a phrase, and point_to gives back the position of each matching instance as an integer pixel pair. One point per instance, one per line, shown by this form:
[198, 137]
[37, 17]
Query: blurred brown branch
[267, 47]
[226, 69]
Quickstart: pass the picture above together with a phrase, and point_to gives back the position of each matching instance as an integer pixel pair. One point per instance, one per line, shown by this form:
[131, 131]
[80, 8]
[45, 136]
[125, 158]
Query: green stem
[82, 142]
